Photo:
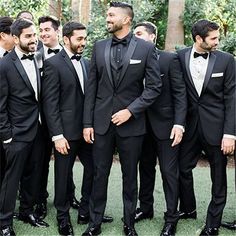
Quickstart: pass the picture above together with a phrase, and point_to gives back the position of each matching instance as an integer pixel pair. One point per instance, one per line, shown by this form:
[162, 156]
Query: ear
[126, 20]
[16, 39]
[66, 40]
[199, 39]
[153, 37]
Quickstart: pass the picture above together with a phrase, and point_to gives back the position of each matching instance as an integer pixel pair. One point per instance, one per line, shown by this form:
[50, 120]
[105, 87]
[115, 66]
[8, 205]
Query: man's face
[8, 41]
[76, 43]
[48, 35]
[142, 33]
[27, 42]
[211, 41]
[115, 18]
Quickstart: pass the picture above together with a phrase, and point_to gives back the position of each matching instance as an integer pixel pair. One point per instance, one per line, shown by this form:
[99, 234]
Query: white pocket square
[134, 61]
[217, 74]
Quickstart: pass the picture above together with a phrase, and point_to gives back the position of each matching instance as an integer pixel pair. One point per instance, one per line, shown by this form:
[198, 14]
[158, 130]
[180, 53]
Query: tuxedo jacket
[104, 98]
[19, 109]
[215, 107]
[171, 106]
[63, 97]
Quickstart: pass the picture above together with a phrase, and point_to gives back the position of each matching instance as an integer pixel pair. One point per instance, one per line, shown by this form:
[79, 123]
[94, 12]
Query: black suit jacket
[19, 109]
[214, 108]
[63, 97]
[103, 98]
[171, 106]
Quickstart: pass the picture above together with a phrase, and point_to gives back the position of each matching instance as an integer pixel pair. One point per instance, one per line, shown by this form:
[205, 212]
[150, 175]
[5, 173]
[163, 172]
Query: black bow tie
[55, 51]
[204, 55]
[116, 41]
[30, 57]
[75, 57]
[5, 53]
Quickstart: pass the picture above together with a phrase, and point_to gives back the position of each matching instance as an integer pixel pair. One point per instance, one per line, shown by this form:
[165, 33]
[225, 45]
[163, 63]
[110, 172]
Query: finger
[67, 145]
[92, 136]
[172, 134]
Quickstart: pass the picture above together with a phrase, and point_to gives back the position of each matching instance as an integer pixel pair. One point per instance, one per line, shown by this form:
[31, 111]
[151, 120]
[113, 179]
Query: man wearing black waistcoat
[20, 127]
[115, 101]
[165, 122]
[210, 122]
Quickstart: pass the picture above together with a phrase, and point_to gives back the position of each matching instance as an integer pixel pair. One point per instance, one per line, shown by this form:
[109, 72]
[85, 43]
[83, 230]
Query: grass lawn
[147, 227]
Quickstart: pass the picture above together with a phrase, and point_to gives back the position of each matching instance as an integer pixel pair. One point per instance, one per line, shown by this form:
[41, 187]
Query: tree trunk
[81, 10]
[175, 30]
[55, 8]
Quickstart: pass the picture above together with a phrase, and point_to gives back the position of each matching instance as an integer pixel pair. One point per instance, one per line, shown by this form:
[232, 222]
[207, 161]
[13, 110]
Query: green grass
[147, 227]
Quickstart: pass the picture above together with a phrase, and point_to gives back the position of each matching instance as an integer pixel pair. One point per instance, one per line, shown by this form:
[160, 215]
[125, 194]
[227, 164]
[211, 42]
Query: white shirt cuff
[180, 126]
[8, 140]
[57, 137]
[229, 136]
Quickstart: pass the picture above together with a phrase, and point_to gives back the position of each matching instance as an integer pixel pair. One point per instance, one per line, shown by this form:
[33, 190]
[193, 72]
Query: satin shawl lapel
[38, 78]
[187, 62]
[126, 61]
[21, 71]
[211, 63]
[107, 60]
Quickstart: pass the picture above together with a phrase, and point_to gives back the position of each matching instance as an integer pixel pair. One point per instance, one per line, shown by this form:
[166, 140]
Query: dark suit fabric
[19, 120]
[105, 97]
[63, 100]
[209, 116]
[168, 109]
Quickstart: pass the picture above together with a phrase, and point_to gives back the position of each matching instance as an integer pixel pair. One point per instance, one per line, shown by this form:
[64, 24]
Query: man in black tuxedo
[115, 101]
[20, 127]
[64, 80]
[165, 122]
[6, 44]
[210, 82]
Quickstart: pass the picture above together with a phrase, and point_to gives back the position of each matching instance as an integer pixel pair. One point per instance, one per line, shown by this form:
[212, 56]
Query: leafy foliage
[221, 11]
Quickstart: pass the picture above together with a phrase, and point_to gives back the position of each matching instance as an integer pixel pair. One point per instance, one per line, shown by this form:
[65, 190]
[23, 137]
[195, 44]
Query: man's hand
[88, 134]
[227, 146]
[176, 134]
[62, 146]
[121, 116]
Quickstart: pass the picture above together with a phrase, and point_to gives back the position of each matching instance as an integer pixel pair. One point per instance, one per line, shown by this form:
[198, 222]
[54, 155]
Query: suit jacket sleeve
[5, 126]
[90, 92]
[178, 91]
[229, 98]
[51, 98]
[152, 85]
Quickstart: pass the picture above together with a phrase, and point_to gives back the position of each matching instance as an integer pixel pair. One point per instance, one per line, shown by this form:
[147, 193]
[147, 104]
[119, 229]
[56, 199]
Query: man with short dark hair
[165, 122]
[209, 75]
[6, 44]
[115, 101]
[64, 83]
[20, 127]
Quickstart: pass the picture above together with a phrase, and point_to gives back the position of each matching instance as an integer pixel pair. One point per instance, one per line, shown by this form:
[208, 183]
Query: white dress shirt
[45, 49]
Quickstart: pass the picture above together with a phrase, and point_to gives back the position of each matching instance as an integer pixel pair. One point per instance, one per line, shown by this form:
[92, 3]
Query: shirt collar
[20, 53]
[127, 37]
[58, 46]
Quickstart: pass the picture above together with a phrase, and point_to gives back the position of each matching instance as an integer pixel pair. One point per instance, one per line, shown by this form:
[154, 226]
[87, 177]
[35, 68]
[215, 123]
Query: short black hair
[55, 22]
[5, 23]
[24, 11]
[70, 26]
[124, 5]
[20, 24]
[149, 27]
[202, 28]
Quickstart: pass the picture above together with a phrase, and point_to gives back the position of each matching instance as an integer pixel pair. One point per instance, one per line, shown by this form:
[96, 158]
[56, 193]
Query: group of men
[132, 98]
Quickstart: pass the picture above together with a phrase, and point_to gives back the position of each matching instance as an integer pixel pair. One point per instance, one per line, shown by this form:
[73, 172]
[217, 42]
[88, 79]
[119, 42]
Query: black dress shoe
[209, 231]
[32, 220]
[140, 215]
[74, 203]
[229, 225]
[129, 231]
[65, 228]
[41, 210]
[7, 231]
[90, 231]
[168, 230]
[84, 219]
[188, 215]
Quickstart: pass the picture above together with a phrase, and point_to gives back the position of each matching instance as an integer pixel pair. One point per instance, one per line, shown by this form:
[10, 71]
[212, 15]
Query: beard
[113, 27]
[207, 47]
[31, 47]
[76, 49]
